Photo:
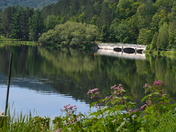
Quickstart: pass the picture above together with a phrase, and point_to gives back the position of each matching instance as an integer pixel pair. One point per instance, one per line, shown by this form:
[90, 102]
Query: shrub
[70, 33]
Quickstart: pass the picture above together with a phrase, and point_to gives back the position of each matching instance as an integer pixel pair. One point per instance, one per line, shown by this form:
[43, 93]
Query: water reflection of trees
[73, 72]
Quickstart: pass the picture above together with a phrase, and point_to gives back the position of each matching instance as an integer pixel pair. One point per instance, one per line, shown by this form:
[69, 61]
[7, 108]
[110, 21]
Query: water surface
[46, 79]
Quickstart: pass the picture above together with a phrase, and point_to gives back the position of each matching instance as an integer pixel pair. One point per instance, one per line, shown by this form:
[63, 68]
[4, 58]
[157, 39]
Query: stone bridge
[120, 47]
[112, 53]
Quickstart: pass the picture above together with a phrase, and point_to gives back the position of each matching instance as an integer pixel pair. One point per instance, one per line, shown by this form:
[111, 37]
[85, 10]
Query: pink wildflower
[92, 91]
[143, 107]
[113, 87]
[120, 85]
[158, 83]
[118, 88]
[115, 92]
[135, 110]
[146, 85]
[59, 130]
[97, 92]
[164, 94]
[69, 107]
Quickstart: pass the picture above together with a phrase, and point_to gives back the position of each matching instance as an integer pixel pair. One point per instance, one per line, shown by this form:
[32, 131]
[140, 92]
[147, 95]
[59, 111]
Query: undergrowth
[115, 113]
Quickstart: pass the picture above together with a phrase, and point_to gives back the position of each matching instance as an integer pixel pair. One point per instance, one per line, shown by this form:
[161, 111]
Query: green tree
[106, 15]
[6, 18]
[79, 18]
[172, 34]
[26, 14]
[124, 9]
[164, 5]
[163, 37]
[144, 13]
[51, 21]
[145, 36]
[154, 41]
[36, 26]
[158, 19]
[70, 33]
[16, 20]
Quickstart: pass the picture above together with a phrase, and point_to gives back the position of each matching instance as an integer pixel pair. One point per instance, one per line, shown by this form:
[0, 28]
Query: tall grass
[24, 123]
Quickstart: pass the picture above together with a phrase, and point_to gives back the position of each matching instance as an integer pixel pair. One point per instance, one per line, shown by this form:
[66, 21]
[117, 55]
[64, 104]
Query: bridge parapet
[113, 46]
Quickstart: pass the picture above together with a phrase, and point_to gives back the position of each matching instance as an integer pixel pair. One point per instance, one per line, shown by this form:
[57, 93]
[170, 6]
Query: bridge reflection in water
[113, 53]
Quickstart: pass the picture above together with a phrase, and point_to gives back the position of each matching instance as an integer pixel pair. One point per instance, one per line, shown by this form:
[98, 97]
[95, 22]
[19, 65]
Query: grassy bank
[15, 42]
[115, 112]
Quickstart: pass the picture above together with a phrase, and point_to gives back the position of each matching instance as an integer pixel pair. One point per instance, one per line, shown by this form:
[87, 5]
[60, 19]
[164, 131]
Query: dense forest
[26, 3]
[149, 22]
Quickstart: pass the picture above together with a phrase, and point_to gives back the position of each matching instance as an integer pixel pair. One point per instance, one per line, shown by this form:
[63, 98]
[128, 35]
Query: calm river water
[46, 79]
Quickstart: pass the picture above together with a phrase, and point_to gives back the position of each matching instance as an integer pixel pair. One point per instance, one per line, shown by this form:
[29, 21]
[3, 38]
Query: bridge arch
[140, 51]
[118, 49]
[129, 50]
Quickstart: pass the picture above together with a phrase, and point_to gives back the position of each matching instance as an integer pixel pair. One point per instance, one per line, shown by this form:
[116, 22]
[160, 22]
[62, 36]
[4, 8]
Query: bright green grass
[6, 41]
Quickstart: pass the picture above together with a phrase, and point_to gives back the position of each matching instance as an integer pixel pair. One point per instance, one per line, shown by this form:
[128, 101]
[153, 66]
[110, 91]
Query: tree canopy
[150, 22]
[70, 33]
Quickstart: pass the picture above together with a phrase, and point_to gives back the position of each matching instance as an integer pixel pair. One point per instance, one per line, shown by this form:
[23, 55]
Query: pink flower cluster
[146, 85]
[70, 108]
[59, 130]
[93, 91]
[158, 83]
[118, 89]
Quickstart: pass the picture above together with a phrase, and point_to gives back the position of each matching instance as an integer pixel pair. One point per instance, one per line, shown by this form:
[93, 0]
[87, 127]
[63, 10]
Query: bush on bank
[116, 112]
[70, 33]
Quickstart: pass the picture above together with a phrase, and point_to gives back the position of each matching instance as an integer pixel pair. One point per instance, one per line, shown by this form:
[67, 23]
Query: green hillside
[149, 22]
[25, 3]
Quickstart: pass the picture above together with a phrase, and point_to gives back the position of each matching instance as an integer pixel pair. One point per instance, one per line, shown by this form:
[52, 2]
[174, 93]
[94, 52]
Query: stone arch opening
[118, 49]
[140, 51]
[129, 50]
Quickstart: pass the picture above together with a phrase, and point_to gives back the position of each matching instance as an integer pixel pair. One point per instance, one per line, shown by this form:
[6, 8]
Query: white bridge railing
[113, 46]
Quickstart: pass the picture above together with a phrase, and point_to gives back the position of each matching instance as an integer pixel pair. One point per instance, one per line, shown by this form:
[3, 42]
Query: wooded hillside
[150, 22]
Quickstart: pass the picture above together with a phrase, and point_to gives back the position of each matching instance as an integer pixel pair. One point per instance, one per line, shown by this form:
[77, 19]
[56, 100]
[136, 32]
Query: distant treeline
[150, 22]
[26, 3]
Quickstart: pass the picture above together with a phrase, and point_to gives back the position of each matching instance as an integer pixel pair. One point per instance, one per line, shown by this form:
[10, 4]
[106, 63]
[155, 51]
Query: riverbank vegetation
[149, 22]
[115, 112]
[15, 42]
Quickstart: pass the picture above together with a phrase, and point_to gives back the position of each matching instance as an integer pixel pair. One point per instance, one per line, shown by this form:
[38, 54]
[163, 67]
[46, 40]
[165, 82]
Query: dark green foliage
[21, 23]
[26, 3]
[51, 21]
[150, 22]
[163, 37]
[70, 33]
[36, 26]
[145, 36]
[6, 20]
[128, 21]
